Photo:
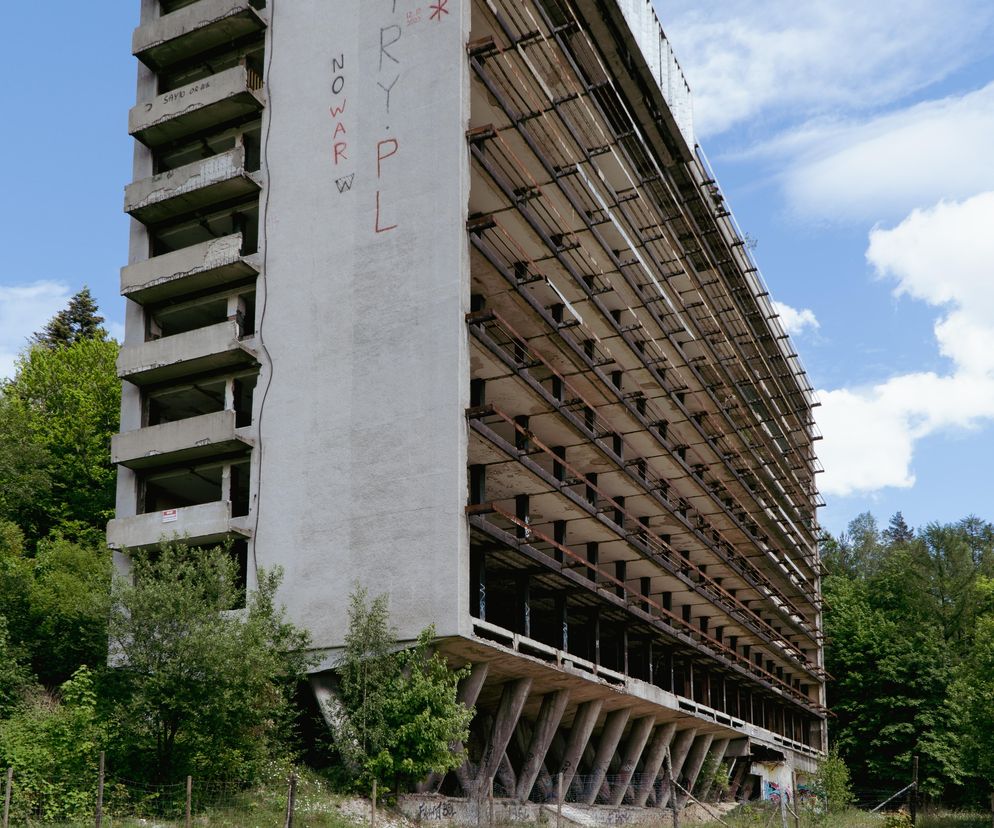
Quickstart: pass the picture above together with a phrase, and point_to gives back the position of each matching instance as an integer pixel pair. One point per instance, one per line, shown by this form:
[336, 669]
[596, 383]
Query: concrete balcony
[196, 525]
[210, 264]
[230, 94]
[193, 30]
[194, 352]
[190, 188]
[178, 442]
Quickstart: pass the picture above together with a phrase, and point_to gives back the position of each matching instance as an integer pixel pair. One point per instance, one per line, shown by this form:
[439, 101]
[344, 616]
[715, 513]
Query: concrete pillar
[506, 777]
[583, 725]
[614, 728]
[692, 767]
[637, 738]
[678, 755]
[512, 700]
[654, 756]
[549, 716]
[718, 749]
[467, 694]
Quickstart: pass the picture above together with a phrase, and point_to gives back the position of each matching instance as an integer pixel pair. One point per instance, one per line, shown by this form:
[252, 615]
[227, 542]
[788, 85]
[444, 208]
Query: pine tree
[78, 320]
[898, 532]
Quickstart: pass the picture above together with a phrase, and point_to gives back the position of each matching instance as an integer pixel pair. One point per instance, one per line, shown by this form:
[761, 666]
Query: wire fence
[108, 802]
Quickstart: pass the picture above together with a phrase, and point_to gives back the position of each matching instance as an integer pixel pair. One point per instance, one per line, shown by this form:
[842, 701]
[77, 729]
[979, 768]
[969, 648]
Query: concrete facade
[440, 300]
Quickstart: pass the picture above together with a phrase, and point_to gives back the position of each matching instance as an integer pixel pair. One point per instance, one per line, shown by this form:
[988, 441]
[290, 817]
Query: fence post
[10, 783]
[914, 789]
[100, 793]
[373, 811]
[490, 801]
[992, 808]
[797, 800]
[672, 787]
[559, 800]
[291, 800]
[189, 801]
[783, 808]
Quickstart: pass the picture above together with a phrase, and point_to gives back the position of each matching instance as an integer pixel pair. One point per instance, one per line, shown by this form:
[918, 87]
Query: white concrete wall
[642, 20]
[361, 462]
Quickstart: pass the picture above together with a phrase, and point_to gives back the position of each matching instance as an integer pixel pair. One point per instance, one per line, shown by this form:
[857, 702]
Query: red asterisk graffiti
[438, 9]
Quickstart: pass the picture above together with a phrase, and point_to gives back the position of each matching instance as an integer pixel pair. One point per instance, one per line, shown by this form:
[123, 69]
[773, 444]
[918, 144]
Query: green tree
[201, 687]
[58, 414]
[52, 743]
[15, 679]
[69, 604]
[400, 714]
[79, 320]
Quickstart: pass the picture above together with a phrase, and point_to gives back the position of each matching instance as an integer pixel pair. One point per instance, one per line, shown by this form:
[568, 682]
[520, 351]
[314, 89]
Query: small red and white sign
[169, 515]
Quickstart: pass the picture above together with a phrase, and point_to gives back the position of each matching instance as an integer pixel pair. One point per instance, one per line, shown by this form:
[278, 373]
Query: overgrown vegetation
[910, 642]
[399, 716]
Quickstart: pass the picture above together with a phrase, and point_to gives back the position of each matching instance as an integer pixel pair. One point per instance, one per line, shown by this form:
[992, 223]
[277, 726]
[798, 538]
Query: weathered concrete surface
[206, 523]
[194, 29]
[364, 295]
[190, 187]
[212, 263]
[215, 346]
[429, 809]
[188, 109]
[178, 441]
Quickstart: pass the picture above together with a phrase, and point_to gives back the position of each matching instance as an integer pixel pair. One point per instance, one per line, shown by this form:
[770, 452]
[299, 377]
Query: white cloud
[943, 256]
[25, 309]
[795, 321]
[777, 57]
[887, 165]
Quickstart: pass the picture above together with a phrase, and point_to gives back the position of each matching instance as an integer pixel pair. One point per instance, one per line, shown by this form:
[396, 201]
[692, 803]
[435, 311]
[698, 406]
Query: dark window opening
[239, 217]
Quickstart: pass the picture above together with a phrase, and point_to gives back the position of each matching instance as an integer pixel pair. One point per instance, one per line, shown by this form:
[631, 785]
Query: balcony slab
[181, 441]
[198, 106]
[193, 352]
[190, 188]
[202, 524]
[194, 29]
[193, 269]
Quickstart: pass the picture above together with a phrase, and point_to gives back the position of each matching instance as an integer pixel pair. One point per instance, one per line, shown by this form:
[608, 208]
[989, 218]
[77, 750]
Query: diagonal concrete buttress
[614, 728]
[512, 700]
[718, 749]
[654, 756]
[678, 755]
[467, 694]
[634, 746]
[584, 721]
[549, 716]
[692, 767]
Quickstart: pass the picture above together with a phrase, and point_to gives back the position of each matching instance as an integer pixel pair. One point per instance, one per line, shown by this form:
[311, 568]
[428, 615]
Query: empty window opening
[248, 50]
[197, 485]
[171, 404]
[203, 146]
[241, 216]
[177, 318]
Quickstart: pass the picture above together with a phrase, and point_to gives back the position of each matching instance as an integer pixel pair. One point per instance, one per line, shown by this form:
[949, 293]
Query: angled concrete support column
[718, 748]
[583, 725]
[549, 716]
[512, 700]
[654, 756]
[614, 728]
[692, 767]
[506, 776]
[467, 694]
[678, 755]
[634, 746]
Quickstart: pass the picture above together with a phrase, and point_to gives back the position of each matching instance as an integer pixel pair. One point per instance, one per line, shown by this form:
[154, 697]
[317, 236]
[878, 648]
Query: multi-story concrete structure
[438, 297]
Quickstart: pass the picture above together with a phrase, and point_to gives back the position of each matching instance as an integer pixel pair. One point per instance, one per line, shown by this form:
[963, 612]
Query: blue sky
[853, 141]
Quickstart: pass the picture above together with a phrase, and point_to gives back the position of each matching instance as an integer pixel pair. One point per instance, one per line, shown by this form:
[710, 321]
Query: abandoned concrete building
[440, 297]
